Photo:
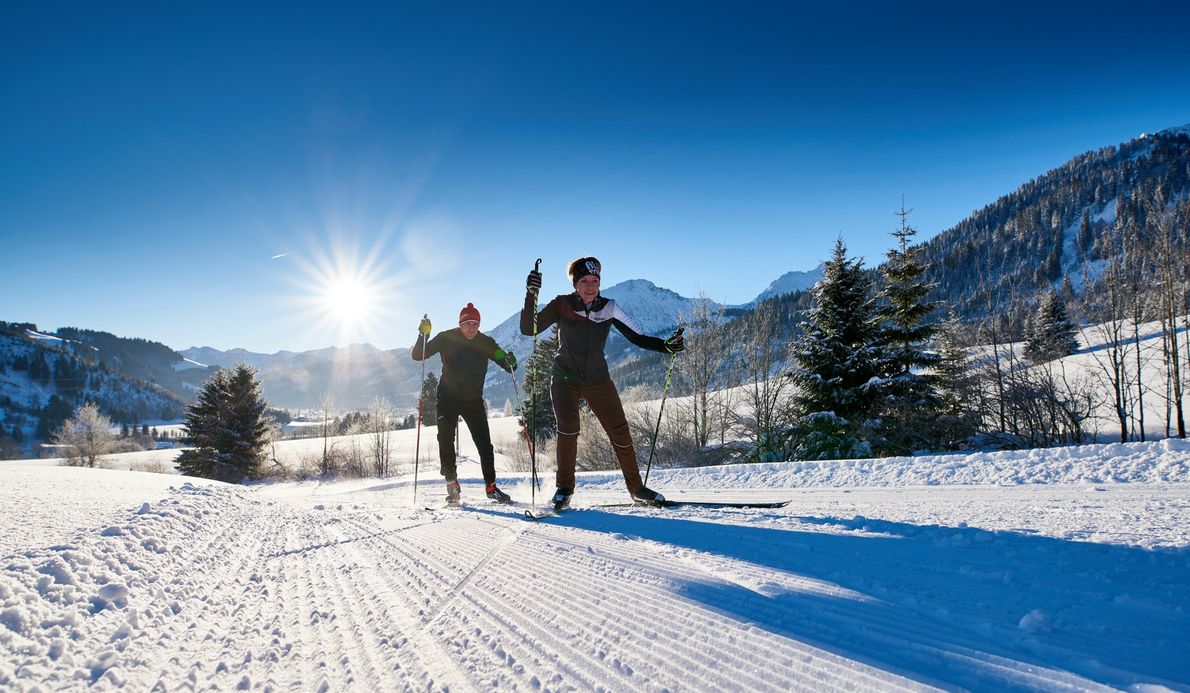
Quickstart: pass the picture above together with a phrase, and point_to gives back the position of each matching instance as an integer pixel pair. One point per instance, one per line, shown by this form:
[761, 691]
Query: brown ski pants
[604, 401]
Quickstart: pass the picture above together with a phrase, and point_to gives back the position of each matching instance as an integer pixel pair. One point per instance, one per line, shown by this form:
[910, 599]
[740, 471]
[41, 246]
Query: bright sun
[342, 296]
[347, 299]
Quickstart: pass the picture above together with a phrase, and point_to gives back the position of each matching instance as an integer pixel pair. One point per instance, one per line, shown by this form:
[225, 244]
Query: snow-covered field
[1039, 570]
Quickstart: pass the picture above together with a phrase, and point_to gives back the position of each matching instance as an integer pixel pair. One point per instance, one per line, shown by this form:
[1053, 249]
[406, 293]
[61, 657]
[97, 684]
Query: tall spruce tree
[203, 427]
[536, 411]
[835, 362]
[908, 396]
[1050, 333]
[957, 386]
[429, 400]
[228, 427]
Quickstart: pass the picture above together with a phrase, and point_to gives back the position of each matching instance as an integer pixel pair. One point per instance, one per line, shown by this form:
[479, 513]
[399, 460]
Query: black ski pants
[475, 415]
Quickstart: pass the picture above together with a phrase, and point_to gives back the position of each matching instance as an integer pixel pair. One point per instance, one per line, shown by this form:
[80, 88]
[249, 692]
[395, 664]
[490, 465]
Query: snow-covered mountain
[281, 360]
[353, 375]
[788, 283]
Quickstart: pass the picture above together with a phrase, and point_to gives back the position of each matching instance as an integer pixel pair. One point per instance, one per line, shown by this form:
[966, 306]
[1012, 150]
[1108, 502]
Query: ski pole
[664, 394]
[420, 397]
[533, 403]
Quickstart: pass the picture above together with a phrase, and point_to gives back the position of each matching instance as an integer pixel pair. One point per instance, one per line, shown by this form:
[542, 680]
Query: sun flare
[341, 295]
[347, 299]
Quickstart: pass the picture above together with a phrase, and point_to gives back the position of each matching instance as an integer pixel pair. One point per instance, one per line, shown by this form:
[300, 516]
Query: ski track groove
[421, 610]
[592, 618]
[344, 600]
[656, 591]
[214, 603]
[890, 629]
[662, 571]
[928, 627]
[386, 605]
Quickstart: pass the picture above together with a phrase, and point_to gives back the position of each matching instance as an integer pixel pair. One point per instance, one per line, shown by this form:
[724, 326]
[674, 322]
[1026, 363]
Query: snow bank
[72, 614]
[1164, 461]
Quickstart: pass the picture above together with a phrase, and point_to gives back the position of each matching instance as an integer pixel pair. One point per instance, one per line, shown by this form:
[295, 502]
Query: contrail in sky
[277, 256]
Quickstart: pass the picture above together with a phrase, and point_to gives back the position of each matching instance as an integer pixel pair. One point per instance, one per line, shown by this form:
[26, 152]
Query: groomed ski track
[220, 587]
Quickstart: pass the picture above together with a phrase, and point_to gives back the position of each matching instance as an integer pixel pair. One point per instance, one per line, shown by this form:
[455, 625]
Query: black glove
[676, 343]
[533, 282]
[507, 360]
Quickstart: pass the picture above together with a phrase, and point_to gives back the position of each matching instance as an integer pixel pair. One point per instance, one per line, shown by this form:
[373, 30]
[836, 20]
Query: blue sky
[156, 158]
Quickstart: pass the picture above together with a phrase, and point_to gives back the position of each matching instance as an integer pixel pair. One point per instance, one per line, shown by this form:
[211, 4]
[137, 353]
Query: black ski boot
[561, 498]
[454, 495]
[498, 495]
[647, 496]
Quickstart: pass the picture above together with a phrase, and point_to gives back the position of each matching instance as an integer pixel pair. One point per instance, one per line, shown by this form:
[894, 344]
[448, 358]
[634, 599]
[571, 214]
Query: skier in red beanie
[465, 353]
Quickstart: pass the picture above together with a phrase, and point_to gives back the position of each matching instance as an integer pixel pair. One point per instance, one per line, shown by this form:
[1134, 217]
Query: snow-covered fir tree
[835, 363]
[228, 427]
[536, 413]
[908, 397]
[957, 383]
[204, 429]
[1050, 333]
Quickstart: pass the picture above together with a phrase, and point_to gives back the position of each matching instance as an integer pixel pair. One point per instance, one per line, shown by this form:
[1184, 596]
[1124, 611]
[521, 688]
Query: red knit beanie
[468, 313]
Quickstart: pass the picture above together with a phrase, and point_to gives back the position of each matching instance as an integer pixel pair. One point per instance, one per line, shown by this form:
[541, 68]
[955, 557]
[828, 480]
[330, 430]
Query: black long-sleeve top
[464, 362]
[582, 333]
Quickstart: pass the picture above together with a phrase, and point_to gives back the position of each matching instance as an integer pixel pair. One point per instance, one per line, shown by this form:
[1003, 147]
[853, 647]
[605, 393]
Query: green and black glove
[506, 359]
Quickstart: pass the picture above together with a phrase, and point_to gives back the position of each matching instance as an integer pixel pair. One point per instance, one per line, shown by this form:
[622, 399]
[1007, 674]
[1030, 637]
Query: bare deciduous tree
[701, 363]
[1163, 244]
[1106, 304]
[87, 436]
[379, 423]
[326, 405]
[764, 389]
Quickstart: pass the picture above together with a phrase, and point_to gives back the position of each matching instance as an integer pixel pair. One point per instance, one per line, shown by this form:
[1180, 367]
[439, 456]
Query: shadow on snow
[950, 606]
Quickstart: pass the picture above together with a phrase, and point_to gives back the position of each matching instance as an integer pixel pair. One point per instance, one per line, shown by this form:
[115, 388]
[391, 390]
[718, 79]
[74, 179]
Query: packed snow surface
[1039, 570]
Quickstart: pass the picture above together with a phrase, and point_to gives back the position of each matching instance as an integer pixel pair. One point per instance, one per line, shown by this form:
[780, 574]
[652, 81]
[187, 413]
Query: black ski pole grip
[537, 265]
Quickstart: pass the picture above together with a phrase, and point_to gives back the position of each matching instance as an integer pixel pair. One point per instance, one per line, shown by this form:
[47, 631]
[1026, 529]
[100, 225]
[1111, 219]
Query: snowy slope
[1005, 571]
[788, 283]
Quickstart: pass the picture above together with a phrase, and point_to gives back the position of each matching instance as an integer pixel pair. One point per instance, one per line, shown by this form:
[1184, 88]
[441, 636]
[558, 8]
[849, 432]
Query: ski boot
[498, 495]
[647, 496]
[454, 495]
[561, 498]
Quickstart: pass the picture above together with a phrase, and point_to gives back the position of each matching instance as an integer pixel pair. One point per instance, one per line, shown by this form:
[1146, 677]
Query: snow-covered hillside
[43, 377]
[1045, 570]
[790, 282]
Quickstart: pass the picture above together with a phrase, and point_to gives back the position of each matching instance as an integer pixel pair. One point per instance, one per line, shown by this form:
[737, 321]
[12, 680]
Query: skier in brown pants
[580, 371]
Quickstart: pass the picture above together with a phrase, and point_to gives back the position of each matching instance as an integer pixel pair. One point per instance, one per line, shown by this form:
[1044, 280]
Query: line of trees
[872, 369]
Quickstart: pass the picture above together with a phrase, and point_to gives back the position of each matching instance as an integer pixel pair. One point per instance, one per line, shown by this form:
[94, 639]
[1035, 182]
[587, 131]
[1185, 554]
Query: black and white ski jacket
[582, 333]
